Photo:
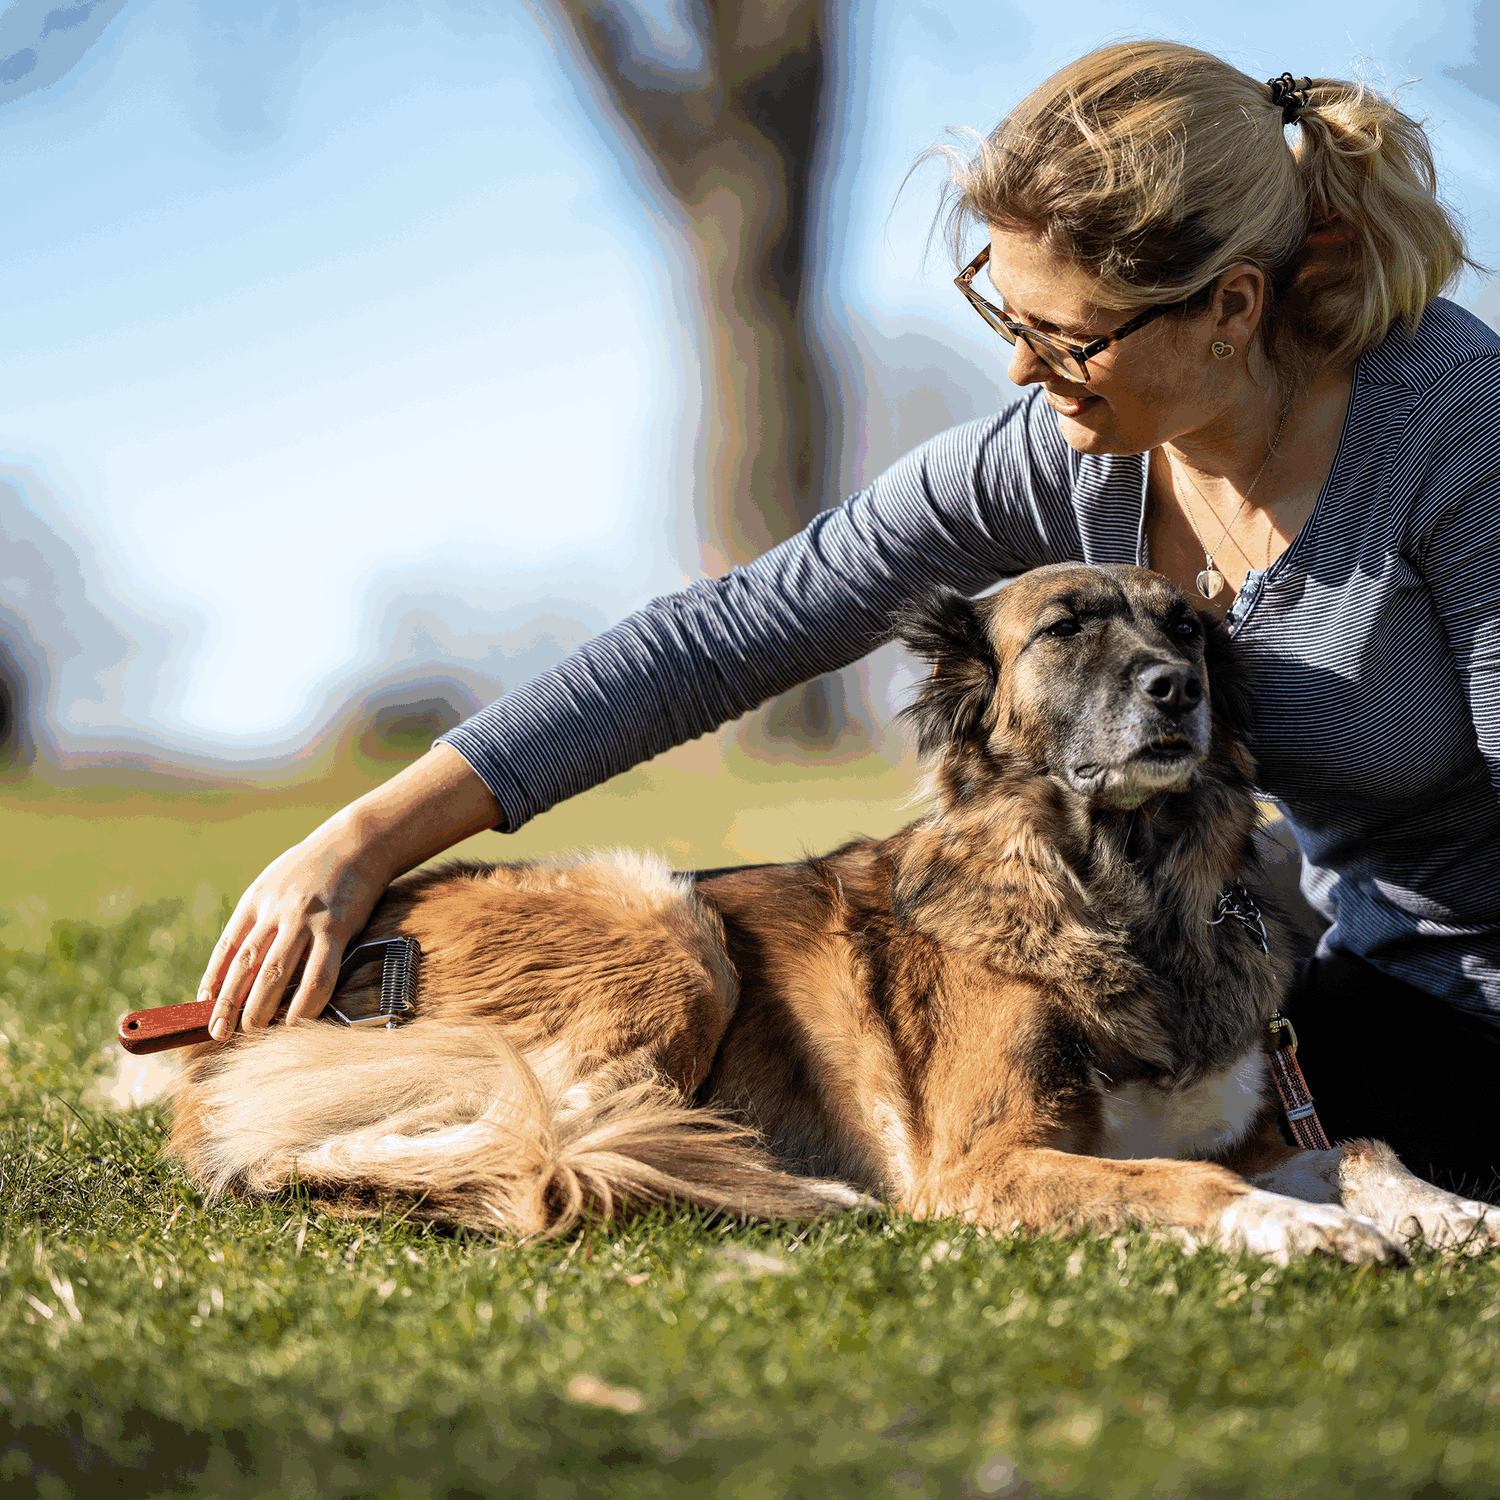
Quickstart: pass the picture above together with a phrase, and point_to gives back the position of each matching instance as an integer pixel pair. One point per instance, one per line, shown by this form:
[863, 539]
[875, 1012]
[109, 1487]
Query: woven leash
[1296, 1099]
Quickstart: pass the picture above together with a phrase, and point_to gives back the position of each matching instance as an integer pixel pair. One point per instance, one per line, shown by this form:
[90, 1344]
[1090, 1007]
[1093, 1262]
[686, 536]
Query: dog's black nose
[1172, 686]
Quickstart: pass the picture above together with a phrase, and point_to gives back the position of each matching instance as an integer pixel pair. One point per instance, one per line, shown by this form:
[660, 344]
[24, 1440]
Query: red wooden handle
[167, 1026]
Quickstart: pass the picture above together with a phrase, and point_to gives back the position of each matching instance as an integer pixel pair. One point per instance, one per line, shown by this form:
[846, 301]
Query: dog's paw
[1376, 1185]
[1462, 1224]
[1442, 1221]
[1277, 1228]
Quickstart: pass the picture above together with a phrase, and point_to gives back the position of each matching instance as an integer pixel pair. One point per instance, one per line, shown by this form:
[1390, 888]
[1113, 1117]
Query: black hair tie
[1290, 94]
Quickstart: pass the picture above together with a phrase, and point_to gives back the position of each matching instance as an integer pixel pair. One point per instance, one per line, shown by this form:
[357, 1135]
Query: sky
[324, 318]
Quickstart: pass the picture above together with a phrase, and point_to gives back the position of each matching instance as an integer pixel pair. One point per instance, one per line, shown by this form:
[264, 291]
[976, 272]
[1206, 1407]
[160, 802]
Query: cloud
[1482, 76]
[40, 41]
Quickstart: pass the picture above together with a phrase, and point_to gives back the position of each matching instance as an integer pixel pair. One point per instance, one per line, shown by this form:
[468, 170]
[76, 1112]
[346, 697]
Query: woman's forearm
[434, 803]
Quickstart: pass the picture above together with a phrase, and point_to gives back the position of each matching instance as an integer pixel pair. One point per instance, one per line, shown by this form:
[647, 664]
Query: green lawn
[99, 852]
[155, 1344]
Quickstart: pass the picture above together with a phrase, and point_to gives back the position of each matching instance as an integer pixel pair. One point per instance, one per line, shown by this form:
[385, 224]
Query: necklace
[1211, 580]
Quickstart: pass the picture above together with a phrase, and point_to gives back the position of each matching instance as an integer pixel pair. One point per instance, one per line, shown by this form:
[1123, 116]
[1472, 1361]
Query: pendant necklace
[1211, 580]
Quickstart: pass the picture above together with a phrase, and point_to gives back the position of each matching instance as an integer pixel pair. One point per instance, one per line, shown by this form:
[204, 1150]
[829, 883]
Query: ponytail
[1380, 246]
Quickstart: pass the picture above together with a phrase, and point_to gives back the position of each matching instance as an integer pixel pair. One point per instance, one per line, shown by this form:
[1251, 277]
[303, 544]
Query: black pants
[1387, 1061]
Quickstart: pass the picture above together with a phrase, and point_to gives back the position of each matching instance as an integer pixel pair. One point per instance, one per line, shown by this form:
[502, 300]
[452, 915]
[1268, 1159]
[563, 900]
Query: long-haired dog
[1023, 1009]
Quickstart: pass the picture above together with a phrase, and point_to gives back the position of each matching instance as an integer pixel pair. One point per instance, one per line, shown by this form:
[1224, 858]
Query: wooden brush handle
[181, 1025]
[166, 1026]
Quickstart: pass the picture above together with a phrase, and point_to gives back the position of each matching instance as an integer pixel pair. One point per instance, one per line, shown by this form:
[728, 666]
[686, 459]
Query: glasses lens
[990, 314]
[1051, 354]
[1059, 358]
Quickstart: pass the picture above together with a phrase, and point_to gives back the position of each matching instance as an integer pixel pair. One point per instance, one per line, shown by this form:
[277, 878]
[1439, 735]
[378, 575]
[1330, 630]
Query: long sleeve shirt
[1373, 640]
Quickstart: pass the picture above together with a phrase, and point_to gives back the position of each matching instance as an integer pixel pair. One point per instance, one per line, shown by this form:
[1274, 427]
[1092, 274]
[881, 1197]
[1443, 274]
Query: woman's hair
[1157, 167]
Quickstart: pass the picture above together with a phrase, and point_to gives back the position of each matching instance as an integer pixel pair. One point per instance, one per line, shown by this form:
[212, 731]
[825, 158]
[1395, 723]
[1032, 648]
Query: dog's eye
[1186, 627]
[1062, 629]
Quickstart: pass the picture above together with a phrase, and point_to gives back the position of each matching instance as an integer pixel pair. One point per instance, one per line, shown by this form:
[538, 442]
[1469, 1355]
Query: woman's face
[1159, 383]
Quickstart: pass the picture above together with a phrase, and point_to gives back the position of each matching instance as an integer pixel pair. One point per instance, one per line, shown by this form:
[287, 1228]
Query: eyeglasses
[1069, 360]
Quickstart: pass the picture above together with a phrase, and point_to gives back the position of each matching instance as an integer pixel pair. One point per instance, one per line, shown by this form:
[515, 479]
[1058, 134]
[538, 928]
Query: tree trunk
[731, 143]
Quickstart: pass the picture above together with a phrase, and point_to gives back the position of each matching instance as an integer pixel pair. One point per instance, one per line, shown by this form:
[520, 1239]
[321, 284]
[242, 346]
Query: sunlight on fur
[1027, 1008]
[464, 1124]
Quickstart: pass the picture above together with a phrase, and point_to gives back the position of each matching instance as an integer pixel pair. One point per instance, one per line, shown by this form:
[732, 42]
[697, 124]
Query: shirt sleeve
[1459, 435]
[979, 502]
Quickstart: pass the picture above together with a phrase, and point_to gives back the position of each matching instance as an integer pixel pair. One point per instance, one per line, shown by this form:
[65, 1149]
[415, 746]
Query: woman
[1240, 378]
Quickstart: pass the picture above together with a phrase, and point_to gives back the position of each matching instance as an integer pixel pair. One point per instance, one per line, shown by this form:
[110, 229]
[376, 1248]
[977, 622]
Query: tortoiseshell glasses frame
[1069, 360]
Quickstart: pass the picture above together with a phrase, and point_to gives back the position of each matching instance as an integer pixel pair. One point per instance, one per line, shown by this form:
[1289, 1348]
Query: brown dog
[1019, 1010]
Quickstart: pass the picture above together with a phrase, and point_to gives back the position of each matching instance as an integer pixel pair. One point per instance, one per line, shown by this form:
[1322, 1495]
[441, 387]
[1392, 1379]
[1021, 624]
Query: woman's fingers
[320, 892]
[256, 973]
[238, 978]
[319, 975]
[235, 932]
[280, 960]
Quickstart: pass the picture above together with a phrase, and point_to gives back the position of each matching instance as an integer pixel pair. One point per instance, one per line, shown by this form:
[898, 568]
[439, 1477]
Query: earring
[1221, 350]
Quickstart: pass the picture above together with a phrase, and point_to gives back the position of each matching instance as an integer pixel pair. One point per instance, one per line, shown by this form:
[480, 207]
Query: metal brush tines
[398, 980]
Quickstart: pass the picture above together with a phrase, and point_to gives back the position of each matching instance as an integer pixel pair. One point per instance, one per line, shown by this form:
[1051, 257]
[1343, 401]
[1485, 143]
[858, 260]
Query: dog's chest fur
[1200, 1119]
[1135, 1025]
[1122, 943]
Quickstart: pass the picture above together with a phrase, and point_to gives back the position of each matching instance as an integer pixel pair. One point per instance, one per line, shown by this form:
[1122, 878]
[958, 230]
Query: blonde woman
[1223, 296]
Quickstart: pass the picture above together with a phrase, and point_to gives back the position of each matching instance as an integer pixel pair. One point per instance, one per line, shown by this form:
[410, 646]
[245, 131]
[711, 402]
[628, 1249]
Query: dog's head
[1104, 678]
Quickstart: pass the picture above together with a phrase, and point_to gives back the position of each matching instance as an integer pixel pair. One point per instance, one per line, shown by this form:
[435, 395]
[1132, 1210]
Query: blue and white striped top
[1374, 640]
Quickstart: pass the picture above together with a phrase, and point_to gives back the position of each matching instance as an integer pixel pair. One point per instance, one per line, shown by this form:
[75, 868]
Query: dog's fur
[1016, 1010]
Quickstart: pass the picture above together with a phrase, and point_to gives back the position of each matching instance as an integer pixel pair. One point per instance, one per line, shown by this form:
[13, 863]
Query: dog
[1026, 1009]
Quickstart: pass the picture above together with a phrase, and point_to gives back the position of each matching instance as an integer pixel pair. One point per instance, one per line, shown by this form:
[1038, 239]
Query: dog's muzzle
[1147, 739]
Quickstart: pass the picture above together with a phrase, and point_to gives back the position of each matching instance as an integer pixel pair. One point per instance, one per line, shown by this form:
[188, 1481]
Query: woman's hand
[305, 906]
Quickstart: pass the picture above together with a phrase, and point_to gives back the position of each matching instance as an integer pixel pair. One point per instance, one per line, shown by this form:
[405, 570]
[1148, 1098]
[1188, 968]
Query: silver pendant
[1210, 581]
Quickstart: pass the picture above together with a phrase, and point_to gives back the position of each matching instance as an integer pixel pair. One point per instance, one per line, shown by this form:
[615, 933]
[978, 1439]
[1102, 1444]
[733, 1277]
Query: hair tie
[1290, 95]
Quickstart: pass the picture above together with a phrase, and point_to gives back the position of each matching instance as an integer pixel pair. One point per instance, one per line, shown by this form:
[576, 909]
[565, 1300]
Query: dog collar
[1236, 902]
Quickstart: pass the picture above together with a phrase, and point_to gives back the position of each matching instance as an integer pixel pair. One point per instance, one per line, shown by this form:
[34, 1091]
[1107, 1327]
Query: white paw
[1277, 1228]
[1377, 1185]
[1446, 1222]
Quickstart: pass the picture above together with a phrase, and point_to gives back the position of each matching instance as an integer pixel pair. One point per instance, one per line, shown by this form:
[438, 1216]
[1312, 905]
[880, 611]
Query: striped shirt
[1374, 640]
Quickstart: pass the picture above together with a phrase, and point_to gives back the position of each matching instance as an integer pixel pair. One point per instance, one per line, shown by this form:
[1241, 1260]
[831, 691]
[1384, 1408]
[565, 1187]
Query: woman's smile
[1069, 401]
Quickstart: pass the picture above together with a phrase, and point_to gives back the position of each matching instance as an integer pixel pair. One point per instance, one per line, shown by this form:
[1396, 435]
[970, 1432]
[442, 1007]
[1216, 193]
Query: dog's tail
[452, 1119]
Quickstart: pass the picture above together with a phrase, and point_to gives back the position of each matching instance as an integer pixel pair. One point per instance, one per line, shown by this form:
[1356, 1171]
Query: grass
[101, 851]
[151, 1343]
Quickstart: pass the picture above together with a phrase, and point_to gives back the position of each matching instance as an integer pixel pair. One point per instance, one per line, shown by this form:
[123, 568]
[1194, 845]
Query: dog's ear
[947, 629]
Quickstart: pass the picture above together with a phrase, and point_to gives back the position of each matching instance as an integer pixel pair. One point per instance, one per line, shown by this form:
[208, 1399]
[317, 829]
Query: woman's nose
[1027, 367]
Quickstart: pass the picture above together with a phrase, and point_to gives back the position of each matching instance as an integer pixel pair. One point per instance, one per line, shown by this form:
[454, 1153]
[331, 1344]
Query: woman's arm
[983, 500]
[318, 895]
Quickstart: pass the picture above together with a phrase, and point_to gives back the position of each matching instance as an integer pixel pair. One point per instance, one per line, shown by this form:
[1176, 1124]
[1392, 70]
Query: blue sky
[286, 345]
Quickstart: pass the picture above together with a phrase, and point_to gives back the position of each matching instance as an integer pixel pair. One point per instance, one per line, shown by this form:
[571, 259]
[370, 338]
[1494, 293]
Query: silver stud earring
[1221, 349]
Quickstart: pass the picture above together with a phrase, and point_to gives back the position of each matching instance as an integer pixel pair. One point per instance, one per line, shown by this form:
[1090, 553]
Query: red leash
[1296, 1100]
